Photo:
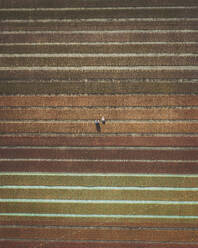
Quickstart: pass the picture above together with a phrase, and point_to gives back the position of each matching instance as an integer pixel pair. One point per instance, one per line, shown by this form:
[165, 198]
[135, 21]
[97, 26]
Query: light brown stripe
[97, 100]
[109, 127]
[92, 114]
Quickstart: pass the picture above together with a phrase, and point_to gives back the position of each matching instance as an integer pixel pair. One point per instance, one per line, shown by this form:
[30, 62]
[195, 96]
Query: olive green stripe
[33, 88]
[98, 208]
[107, 195]
[99, 180]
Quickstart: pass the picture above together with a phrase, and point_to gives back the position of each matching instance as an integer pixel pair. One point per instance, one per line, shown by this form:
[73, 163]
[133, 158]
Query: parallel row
[101, 209]
[94, 3]
[33, 85]
[99, 141]
[133, 209]
[67, 194]
[102, 166]
[91, 244]
[96, 101]
[99, 36]
[155, 152]
[110, 154]
[129, 182]
[99, 23]
[79, 60]
[76, 127]
[126, 237]
[99, 48]
[93, 153]
[79, 113]
[80, 196]
[101, 12]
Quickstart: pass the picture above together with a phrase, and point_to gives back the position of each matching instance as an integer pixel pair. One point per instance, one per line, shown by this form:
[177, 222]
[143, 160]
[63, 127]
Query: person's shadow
[98, 128]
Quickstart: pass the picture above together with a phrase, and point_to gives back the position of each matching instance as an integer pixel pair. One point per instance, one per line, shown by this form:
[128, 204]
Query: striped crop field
[129, 181]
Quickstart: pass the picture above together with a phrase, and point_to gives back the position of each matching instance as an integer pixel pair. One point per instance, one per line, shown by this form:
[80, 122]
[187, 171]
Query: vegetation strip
[101, 216]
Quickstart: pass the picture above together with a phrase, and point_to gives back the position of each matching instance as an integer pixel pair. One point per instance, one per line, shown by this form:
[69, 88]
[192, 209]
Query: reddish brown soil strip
[99, 167]
[109, 128]
[110, 154]
[90, 244]
[114, 141]
[100, 234]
